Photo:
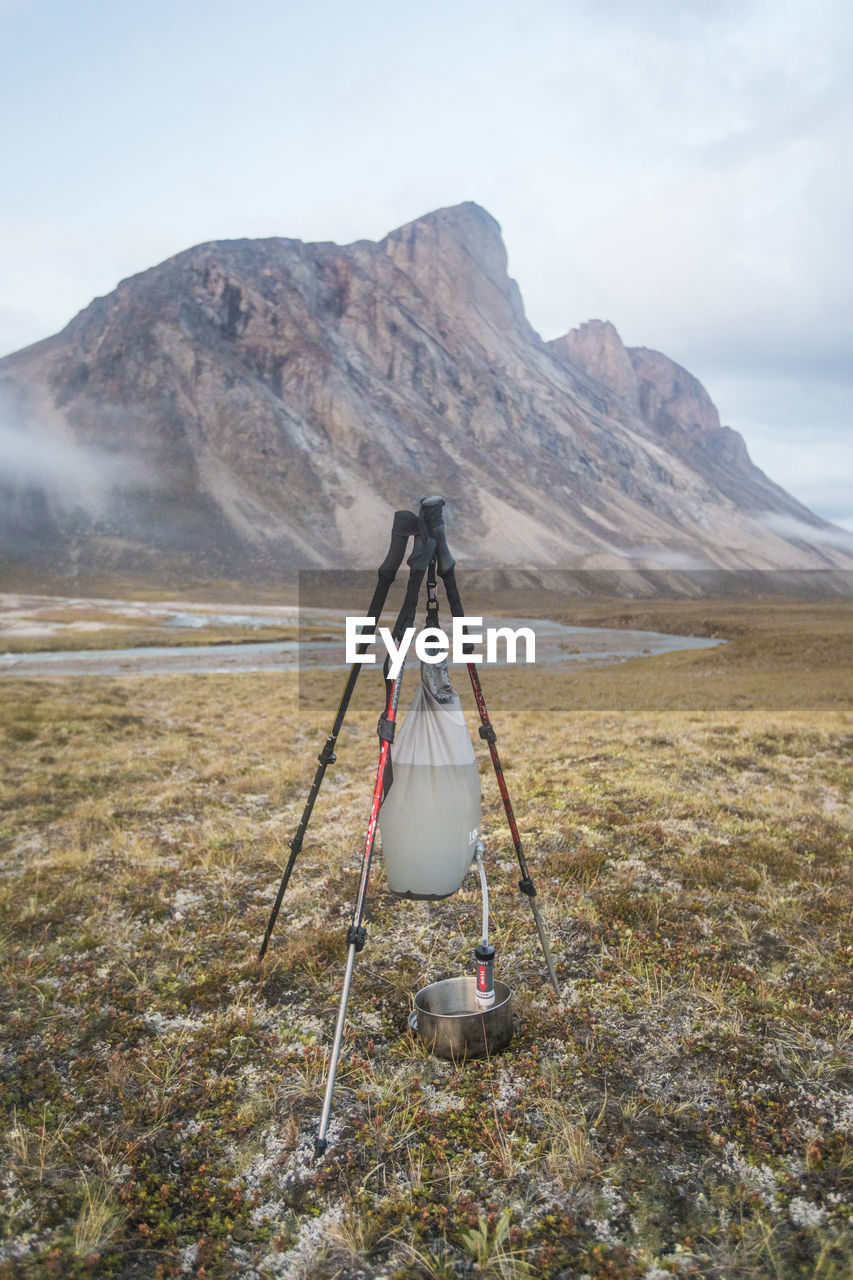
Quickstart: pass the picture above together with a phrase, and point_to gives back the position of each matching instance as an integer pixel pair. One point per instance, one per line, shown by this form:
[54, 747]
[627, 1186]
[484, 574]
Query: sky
[679, 167]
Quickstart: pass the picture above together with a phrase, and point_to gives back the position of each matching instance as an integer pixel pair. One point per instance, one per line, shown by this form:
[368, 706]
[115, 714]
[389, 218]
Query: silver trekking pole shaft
[320, 1141]
[357, 934]
[543, 938]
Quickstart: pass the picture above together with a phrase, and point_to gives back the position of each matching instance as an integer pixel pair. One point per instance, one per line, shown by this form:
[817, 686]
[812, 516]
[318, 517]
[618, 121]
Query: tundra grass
[684, 1108]
[114, 637]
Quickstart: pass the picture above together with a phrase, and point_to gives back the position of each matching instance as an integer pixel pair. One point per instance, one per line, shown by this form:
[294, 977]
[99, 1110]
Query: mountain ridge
[249, 405]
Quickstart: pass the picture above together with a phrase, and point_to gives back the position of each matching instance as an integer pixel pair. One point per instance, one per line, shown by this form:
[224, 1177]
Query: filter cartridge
[485, 957]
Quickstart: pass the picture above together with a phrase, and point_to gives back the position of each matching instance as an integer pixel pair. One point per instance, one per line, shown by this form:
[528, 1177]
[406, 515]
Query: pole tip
[320, 1145]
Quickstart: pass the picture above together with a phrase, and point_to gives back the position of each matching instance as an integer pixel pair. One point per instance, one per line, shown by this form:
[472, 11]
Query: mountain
[252, 406]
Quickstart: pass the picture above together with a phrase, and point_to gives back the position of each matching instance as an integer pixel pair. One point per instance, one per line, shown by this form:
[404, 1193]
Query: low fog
[37, 455]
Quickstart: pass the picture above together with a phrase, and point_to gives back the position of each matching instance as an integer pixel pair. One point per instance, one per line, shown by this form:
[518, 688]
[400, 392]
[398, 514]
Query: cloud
[60, 468]
[662, 558]
[32, 455]
[792, 528]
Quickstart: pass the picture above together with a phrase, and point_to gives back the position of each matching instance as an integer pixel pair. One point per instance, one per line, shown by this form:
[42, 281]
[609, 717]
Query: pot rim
[503, 995]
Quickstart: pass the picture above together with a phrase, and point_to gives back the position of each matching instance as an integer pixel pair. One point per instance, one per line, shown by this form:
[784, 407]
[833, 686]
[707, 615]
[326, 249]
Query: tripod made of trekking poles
[430, 551]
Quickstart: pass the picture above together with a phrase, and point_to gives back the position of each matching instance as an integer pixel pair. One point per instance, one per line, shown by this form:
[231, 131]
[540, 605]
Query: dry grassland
[685, 1108]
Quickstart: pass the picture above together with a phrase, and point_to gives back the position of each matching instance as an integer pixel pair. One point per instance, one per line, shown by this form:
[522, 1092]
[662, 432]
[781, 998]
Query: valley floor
[685, 1108]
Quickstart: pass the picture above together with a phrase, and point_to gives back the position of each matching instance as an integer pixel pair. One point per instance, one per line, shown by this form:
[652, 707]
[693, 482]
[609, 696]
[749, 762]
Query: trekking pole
[357, 934]
[431, 510]
[406, 523]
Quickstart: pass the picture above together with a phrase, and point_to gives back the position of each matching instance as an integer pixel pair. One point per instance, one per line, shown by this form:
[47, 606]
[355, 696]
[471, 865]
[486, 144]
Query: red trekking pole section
[356, 934]
[487, 732]
[405, 525]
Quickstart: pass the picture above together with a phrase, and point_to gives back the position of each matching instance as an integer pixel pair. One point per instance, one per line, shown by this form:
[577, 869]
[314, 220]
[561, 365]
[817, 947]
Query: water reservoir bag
[430, 818]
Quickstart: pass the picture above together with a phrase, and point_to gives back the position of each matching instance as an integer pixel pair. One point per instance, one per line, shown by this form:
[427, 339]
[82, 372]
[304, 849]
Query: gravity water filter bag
[430, 818]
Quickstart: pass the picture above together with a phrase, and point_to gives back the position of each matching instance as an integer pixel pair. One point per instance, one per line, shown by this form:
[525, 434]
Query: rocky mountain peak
[646, 390]
[468, 226]
[253, 406]
[459, 253]
[596, 348]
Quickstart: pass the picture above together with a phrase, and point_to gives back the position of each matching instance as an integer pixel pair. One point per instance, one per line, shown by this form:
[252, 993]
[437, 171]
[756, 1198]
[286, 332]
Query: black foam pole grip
[405, 524]
[432, 510]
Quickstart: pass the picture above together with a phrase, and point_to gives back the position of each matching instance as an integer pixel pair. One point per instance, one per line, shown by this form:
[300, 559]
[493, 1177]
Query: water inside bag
[430, 819]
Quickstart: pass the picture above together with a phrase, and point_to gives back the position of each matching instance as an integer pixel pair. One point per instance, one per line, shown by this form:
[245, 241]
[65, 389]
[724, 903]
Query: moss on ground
[686, 1107]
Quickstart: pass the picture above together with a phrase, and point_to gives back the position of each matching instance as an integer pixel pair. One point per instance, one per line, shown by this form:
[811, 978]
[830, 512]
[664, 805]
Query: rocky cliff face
[248, 407]
[597, 349]
[674, 410]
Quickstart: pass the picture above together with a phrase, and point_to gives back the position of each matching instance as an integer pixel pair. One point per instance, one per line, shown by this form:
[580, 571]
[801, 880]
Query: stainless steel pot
[447, 1018]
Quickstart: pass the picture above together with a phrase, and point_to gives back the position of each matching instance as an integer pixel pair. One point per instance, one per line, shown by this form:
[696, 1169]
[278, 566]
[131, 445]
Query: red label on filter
[481, 978]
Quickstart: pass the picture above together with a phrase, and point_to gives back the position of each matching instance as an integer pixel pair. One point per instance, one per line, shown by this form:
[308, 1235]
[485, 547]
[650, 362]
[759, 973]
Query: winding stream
[555, 644]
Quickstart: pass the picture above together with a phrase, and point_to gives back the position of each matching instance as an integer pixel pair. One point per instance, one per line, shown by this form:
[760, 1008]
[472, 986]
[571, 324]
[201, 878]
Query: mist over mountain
[249, 407]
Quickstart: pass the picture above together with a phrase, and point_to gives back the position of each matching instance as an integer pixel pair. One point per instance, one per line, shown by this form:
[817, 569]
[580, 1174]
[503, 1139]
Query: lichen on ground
[684, 1108]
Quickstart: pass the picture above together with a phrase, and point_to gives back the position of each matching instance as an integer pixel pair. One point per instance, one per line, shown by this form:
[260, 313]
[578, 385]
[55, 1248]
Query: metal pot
[450, 1023]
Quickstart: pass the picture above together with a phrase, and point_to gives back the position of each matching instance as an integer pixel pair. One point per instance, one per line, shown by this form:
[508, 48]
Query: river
[555, 644]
